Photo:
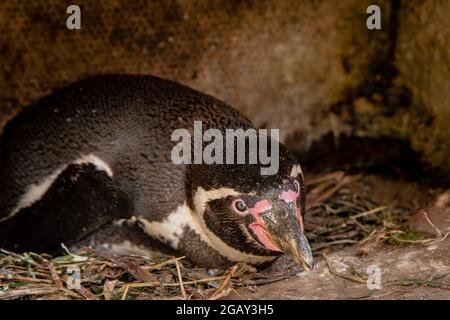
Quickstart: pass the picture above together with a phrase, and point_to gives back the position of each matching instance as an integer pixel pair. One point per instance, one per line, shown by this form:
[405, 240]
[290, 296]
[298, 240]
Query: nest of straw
[340, 212]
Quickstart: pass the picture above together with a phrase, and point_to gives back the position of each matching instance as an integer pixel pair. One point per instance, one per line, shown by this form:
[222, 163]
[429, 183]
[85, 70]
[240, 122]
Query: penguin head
[255, 214]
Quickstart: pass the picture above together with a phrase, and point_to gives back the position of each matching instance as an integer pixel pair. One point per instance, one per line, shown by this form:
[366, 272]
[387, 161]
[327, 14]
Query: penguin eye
[240, 206]
[296, 186]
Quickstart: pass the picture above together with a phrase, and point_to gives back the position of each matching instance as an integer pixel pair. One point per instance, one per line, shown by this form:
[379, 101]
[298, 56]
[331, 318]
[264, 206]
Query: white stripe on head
[296, 170]
[171, 229]
[201, 196]
[220, 246]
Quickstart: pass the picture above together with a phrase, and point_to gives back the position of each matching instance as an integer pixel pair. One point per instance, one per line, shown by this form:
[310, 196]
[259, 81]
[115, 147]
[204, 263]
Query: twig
[221, 294]
[81, 290]
[343, 275]
[423, 283]
[225, 282]
[270, 280]
[15, 277]
[180, 279]
[55, 277]
[206, 280]
[333, 243]
[366, 213]
[22, 258]
[438, 240]
[338, 175]
[321, 198]
[134, 269]
[108, 289]
[125, 292]
[369, 297]
[439, 233]
[156, 284]
[440, 276]
[38, 291]
[164, 263]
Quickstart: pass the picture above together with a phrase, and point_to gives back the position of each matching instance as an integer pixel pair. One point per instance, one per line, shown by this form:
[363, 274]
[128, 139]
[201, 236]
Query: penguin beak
[283, 229]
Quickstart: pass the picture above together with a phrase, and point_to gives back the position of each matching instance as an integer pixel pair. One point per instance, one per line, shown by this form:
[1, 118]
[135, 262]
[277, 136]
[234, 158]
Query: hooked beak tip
[283, 229]
[297, 248]
[307, 264]
[303, 255]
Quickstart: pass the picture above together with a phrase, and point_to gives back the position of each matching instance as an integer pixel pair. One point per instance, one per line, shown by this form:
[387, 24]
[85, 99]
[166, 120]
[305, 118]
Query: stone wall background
[423, 61]
[308, 67]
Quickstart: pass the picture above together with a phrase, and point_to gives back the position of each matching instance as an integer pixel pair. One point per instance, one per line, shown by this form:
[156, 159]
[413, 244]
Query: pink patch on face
[260, 207]
[262, 237]
[289, 196]
[257, 226]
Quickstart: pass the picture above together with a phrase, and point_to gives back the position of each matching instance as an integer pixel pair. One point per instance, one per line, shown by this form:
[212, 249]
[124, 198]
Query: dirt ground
[416, 270]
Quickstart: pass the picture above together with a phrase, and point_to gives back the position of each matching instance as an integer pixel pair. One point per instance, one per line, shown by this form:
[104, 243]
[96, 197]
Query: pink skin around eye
[291, 196]
[262, 237]
[258, 226]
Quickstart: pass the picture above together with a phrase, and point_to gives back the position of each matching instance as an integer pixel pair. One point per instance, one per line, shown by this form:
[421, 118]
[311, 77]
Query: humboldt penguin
[90, 165]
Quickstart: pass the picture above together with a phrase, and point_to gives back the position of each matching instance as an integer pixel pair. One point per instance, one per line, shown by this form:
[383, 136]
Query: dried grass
[340, 213]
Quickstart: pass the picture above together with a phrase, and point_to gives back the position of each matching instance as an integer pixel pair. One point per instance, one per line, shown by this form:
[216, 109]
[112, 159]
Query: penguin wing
[81, 200]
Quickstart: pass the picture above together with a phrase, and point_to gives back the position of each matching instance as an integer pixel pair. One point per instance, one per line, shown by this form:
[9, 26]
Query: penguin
[90, 165]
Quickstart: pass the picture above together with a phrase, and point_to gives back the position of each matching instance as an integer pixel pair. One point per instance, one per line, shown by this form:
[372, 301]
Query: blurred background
[343, 96]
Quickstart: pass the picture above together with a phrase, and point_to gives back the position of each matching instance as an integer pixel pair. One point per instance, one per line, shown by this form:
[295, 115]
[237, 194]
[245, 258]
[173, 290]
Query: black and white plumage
[90, 165]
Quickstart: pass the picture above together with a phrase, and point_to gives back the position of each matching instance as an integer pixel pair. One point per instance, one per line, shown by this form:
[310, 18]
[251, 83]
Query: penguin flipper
[81, 200]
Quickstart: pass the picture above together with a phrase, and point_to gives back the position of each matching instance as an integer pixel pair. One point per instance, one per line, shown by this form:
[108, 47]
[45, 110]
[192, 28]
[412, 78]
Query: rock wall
[307, 67]
[423, 61]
